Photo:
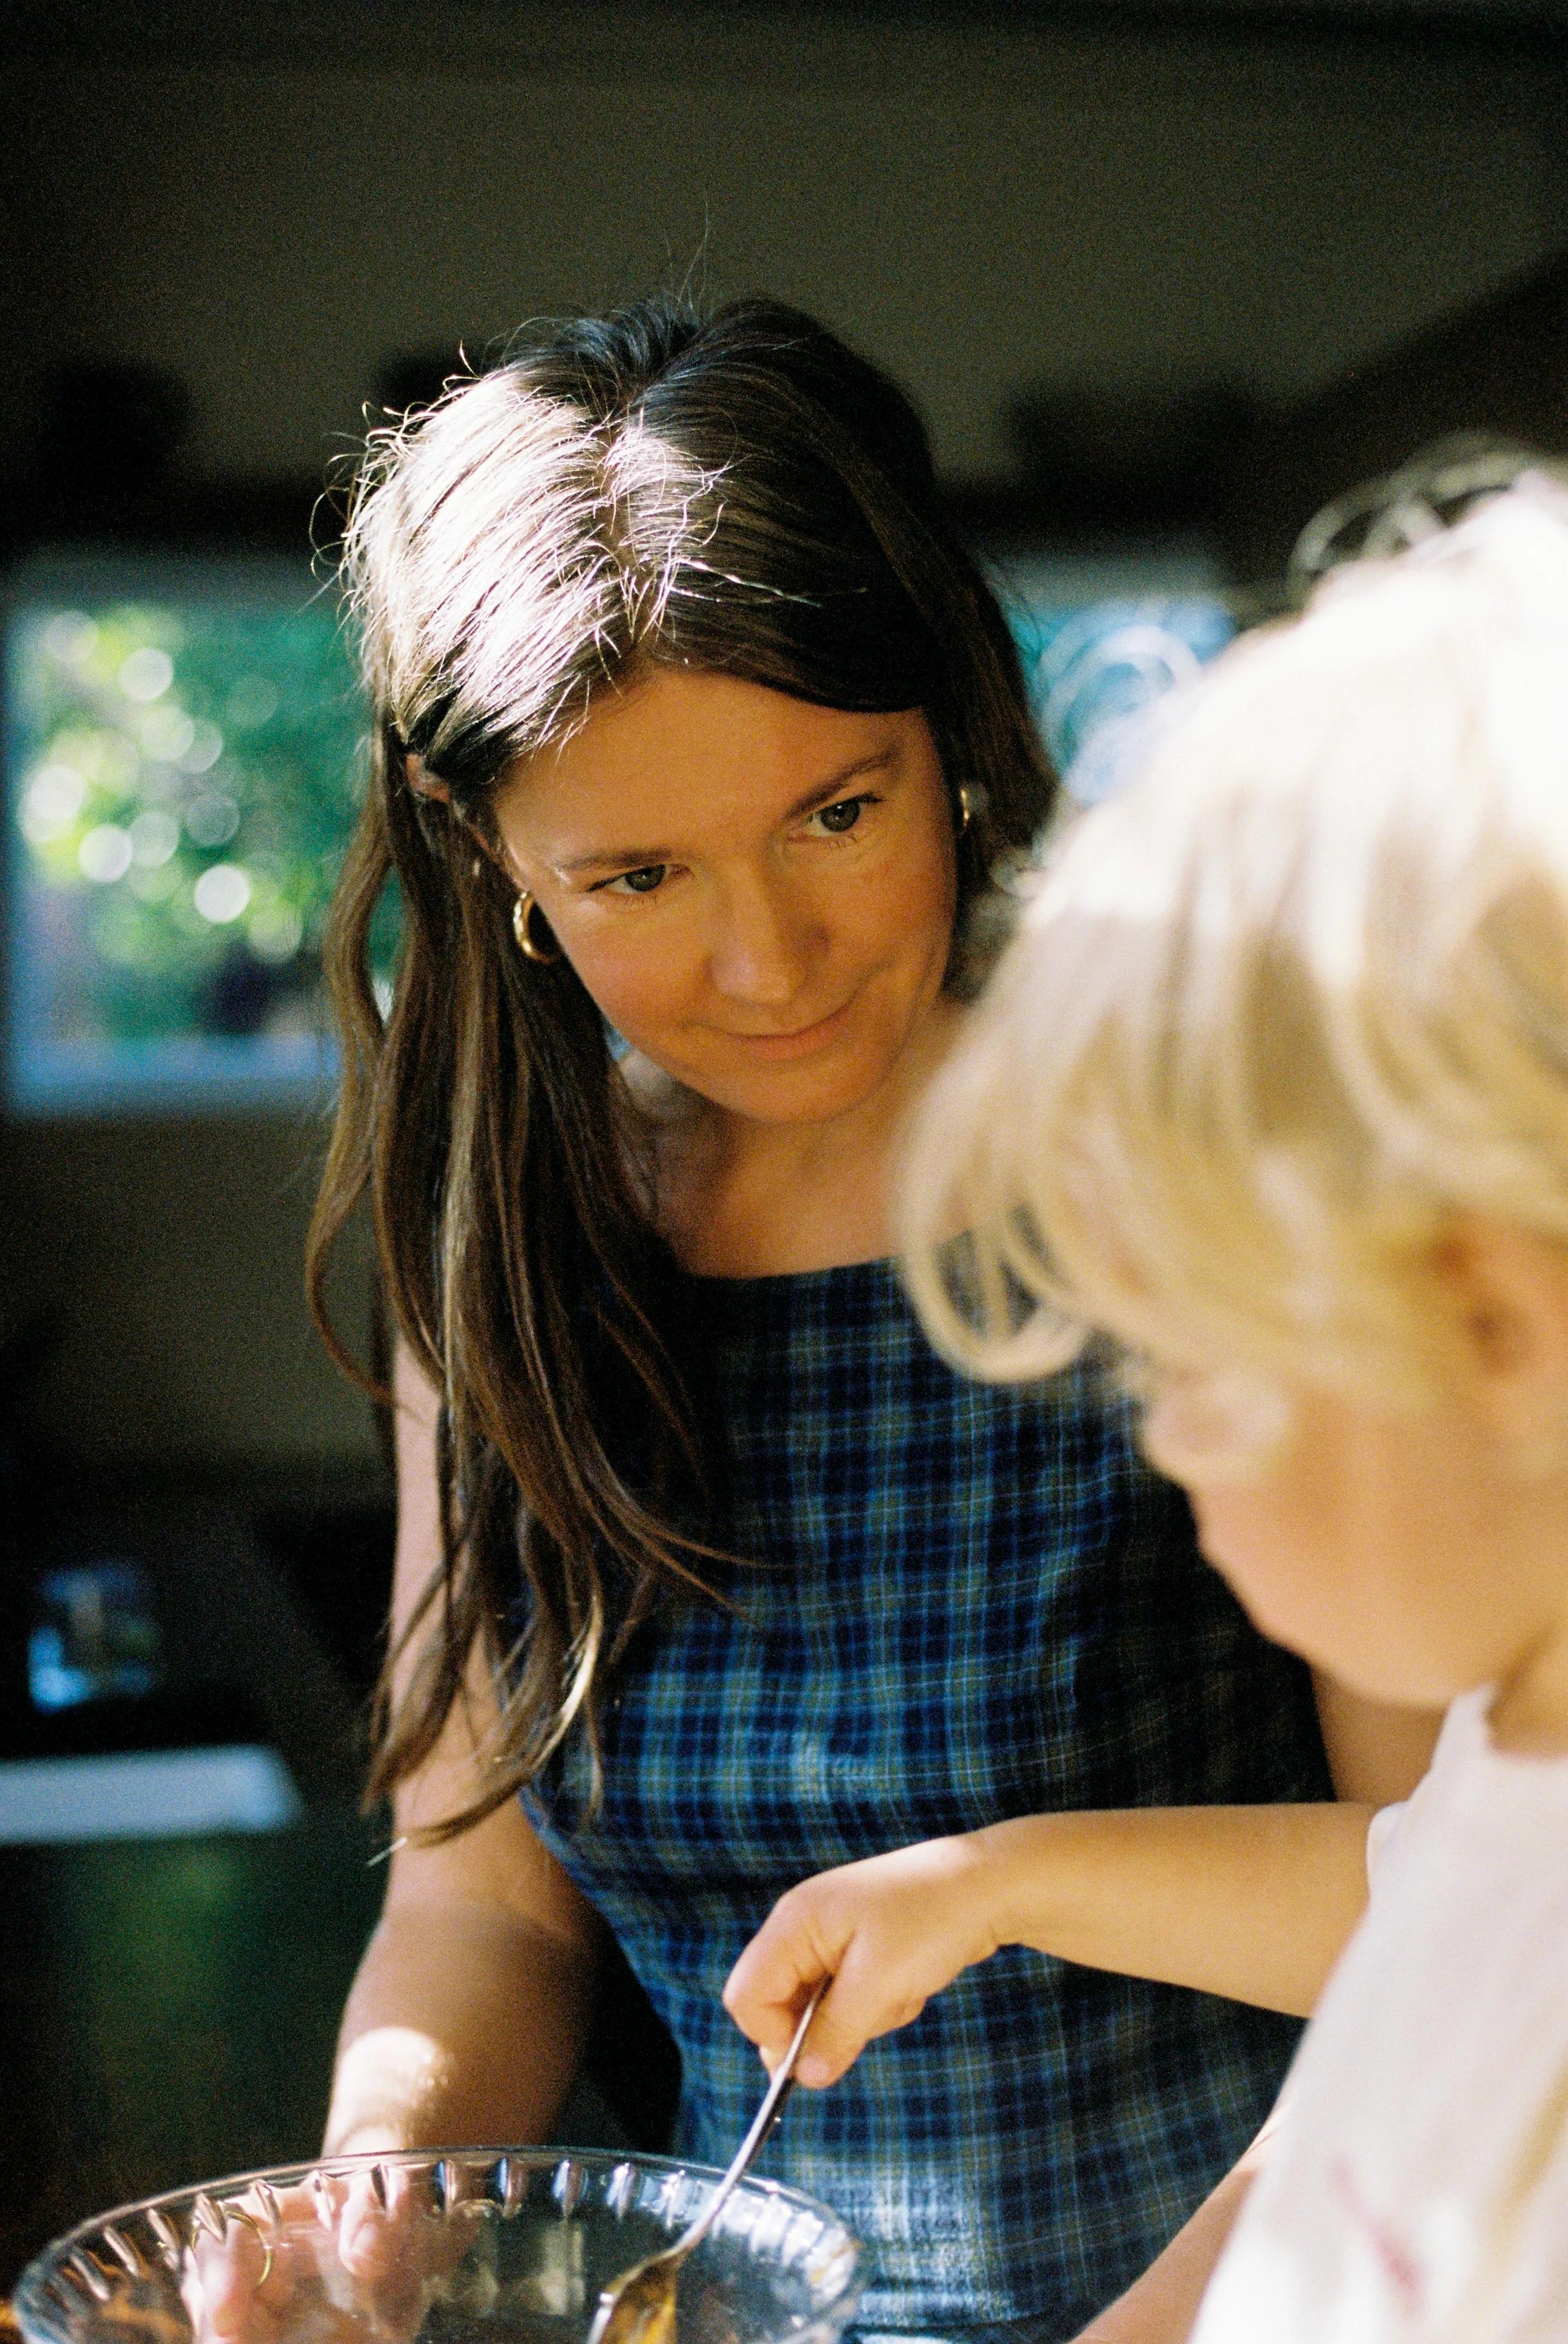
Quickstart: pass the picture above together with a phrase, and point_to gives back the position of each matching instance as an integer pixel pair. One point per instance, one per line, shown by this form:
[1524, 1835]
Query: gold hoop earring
[971, 802]
[528, 944]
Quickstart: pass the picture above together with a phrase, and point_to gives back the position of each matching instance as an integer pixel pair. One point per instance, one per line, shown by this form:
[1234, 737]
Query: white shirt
[1418, 2190]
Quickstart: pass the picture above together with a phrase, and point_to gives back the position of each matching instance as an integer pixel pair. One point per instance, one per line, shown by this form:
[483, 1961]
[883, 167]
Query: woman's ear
[1506, 1294]
[422, 782]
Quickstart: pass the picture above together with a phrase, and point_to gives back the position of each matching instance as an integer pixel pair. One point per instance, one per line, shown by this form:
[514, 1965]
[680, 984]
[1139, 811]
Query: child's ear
[1505, 1296]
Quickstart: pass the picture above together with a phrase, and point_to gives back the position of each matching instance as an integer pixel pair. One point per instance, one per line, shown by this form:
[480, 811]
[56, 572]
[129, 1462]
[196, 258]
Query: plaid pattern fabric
[967, 1602]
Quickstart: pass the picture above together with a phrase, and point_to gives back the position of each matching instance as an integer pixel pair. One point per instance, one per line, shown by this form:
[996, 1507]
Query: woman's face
[758, 893]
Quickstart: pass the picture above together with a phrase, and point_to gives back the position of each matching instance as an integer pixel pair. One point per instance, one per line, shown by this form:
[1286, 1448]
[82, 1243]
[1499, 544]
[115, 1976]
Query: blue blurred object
[1102, 641]
[1100, 671]
[96, 1638]
[146, 1795]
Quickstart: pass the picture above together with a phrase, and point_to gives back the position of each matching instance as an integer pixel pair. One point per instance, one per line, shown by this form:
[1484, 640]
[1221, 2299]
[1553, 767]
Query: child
[1272, 1089]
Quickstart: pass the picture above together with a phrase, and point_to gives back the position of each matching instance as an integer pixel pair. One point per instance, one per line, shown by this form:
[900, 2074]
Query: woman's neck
[740, 1197]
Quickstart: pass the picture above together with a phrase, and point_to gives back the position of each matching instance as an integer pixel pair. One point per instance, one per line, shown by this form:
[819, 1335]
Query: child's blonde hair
[1289, 1004]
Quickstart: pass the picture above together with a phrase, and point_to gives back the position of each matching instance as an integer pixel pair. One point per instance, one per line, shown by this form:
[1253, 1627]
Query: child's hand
[890, 1932]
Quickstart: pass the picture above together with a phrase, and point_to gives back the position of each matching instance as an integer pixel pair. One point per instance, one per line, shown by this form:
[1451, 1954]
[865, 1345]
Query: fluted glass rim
[60, 2289]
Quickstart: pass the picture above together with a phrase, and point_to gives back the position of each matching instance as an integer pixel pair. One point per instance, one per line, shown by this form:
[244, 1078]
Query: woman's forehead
[684, 749]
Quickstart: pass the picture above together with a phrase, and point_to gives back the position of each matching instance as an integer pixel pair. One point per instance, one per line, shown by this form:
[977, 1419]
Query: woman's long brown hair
[740, 494]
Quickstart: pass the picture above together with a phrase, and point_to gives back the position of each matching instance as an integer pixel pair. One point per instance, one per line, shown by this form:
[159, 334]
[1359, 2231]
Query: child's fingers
[830, 2050]
[766, 1990]
[862, 2002]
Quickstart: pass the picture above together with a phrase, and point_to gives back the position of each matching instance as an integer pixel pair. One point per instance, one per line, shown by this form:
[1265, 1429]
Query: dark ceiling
[457, 33]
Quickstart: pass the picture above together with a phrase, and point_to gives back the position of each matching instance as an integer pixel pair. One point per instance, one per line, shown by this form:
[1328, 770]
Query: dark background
[1142, 266]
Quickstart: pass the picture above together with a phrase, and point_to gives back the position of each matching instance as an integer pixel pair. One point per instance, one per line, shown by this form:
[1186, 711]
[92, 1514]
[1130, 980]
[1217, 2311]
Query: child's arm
[1255, 1903]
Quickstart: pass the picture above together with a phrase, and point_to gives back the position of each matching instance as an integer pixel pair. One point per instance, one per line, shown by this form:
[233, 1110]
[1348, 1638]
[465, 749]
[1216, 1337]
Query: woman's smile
[803, 1040]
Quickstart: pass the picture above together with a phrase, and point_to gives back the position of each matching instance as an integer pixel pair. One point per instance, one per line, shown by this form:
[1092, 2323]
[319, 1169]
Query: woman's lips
[800, 1043]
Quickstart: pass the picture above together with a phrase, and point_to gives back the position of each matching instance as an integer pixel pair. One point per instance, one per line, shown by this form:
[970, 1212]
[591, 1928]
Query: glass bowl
[470, 2246]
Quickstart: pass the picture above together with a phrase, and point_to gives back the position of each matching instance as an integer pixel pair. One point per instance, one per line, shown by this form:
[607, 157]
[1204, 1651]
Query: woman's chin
[817, 1089]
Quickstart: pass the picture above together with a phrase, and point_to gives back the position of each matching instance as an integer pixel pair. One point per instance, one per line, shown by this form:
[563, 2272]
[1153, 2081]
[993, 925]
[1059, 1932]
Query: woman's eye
[644, 881]
[843, 816]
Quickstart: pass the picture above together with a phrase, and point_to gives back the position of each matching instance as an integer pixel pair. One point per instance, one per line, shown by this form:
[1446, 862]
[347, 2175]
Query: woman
[696, 736]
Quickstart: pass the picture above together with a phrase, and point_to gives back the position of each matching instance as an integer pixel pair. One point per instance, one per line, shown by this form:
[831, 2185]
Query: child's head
[1272, 1087]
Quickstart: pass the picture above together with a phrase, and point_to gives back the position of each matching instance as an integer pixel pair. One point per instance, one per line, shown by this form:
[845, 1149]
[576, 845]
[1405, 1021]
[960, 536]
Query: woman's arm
[467, 2017]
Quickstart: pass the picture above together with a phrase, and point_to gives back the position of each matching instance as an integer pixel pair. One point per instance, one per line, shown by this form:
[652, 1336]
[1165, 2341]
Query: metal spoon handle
[779, 2086]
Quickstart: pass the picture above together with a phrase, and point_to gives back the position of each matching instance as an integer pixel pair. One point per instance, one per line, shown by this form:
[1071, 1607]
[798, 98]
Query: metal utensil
[639, 2307]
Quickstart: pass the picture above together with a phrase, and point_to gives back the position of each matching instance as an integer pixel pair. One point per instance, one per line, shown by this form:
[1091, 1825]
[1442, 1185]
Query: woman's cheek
[917, 896]
[634, 988]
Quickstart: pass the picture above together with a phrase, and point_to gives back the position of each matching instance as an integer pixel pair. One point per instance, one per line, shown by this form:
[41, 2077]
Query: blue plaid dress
[967, 1602]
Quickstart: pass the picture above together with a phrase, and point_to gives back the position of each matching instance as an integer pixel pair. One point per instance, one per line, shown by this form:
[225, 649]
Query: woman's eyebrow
[833, 787]
[611, 858]
[639, 858]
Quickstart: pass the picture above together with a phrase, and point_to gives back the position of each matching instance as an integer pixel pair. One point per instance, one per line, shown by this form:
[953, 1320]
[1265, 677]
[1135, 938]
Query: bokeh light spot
[222, 893]
[72, 638]
[211, 819]
[153, 837]
[276, 933]
[165, 733]
[147, 674]
[55, 795]
[104, 854]
[252, 701]
[206, 749]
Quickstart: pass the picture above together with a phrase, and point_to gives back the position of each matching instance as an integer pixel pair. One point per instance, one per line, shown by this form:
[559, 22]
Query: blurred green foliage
[186, 774]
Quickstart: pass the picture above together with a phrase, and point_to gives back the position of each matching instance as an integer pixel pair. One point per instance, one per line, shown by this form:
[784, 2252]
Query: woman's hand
[890, 1932]
[342, 2259]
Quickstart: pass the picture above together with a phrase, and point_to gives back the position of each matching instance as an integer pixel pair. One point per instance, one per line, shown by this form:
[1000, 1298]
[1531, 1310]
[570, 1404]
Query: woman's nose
[762, 948]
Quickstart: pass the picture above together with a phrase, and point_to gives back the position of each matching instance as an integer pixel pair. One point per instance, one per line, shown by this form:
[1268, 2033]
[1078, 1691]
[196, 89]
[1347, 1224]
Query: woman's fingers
[373, 2229]
[236, 2286]
[360, 2228]
[220, 2289]
[391, 2247]
[366, 2246]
